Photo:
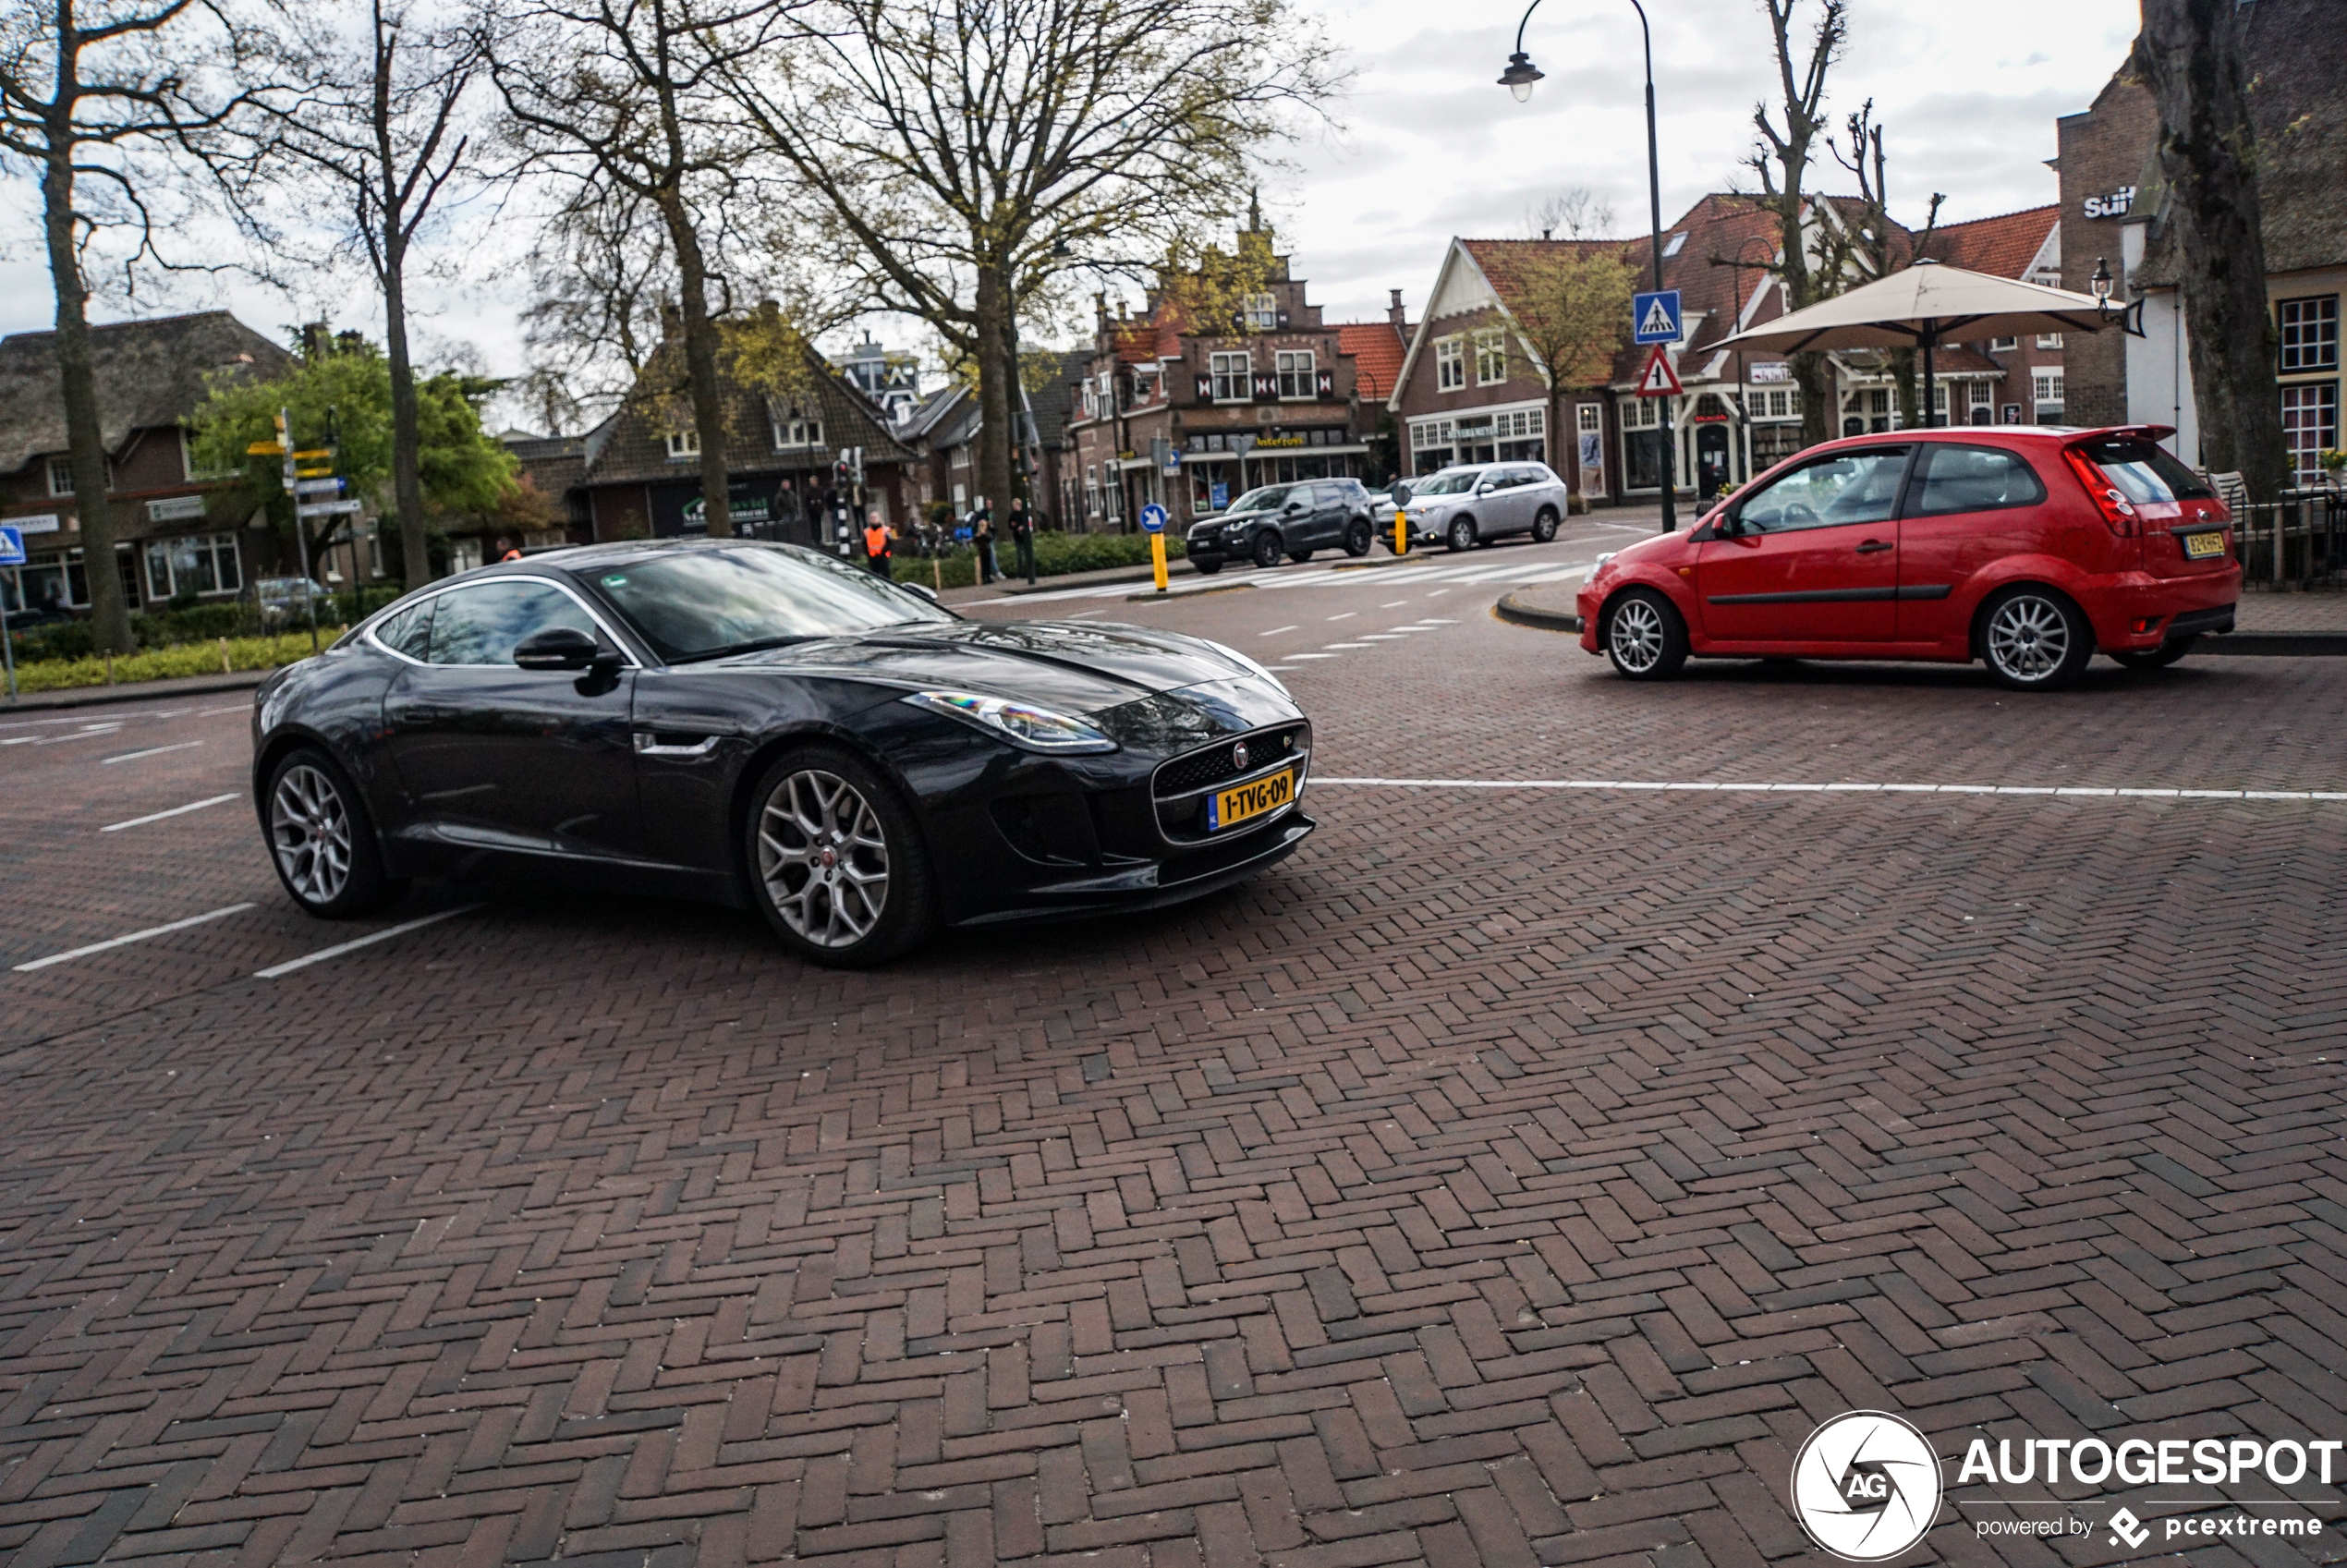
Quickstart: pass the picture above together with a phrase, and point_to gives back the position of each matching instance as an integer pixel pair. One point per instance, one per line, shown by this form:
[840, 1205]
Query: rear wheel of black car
[1357, 535]
[836, 862]
[2157, 658]
[1266, 548]
[1544, 527]
[1207, 568]
[321, 840]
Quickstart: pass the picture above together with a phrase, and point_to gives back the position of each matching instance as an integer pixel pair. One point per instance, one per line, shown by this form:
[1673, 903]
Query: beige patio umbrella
[1926, 305]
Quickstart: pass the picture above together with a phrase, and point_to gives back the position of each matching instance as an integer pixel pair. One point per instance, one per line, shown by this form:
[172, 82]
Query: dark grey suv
[1293, 520]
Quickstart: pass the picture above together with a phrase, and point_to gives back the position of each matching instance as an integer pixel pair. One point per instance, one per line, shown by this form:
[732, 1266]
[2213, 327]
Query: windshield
[1446, 484]
[1264, 499]
[2145, 473]
[706, 604]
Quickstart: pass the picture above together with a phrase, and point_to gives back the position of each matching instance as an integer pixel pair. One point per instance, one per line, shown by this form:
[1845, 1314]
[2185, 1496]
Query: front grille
[1212, 764]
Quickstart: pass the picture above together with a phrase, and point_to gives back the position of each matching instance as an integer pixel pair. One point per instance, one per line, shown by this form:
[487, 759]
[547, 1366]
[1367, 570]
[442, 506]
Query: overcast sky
[1432, 146]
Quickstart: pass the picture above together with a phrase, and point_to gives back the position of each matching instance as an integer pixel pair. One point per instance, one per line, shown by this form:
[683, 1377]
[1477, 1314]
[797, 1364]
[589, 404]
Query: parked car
[1291, 520]
[285, 599]
[2026, 547]
[1463, 506]
[769, 726]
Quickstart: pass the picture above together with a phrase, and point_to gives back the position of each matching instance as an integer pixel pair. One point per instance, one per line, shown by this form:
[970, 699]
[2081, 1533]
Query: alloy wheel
[1636, 636]
[2028, 638]
[309, 832]
[823, 859]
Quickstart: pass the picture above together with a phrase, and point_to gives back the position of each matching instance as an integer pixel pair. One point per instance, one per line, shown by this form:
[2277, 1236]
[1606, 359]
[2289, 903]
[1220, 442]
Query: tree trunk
[85, 438]
[997, 378]
[406, 444]
[1820, 412]
[2189, 54]
[701, 367]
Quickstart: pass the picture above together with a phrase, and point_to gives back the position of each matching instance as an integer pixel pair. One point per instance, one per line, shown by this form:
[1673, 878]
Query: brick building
[2113, 209]
[178, 532]
[1191, 419]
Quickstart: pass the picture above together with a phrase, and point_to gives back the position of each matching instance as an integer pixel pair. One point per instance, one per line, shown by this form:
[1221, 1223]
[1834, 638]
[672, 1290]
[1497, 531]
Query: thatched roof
[150, 374]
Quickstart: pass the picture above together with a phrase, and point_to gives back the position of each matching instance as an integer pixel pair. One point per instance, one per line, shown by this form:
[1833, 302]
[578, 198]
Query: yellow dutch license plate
[1242, 802]
[2201, 546]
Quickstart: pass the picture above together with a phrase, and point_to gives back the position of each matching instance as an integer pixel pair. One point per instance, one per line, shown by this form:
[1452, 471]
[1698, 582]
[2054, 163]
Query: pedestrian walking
[878, 541]
[1023, 540]
[982, 540]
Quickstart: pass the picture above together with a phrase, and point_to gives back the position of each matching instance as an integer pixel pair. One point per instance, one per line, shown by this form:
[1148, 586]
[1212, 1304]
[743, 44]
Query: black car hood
[1209, 525]
[1072, 666]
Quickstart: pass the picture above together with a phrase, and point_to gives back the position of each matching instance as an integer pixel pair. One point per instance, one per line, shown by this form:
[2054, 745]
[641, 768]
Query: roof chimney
[1394, 311]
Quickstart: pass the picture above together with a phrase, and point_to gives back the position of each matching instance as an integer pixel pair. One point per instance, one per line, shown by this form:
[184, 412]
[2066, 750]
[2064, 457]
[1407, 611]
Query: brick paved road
[1512, 1178]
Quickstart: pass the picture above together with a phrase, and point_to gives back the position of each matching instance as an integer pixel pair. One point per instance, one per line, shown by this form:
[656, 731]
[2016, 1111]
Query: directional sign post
[11, 554]
[1153, 524]
[1654, 317]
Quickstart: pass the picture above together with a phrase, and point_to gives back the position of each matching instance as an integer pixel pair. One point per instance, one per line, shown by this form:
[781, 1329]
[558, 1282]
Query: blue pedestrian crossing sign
[11, 547]
[1655, 317]
[1152, 518]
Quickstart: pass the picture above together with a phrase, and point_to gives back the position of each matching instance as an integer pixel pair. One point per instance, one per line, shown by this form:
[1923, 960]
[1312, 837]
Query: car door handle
[1873, 545]
[663, 744]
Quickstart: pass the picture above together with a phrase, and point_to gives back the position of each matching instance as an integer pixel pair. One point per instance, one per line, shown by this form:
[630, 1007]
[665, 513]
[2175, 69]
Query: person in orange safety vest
[878, 538]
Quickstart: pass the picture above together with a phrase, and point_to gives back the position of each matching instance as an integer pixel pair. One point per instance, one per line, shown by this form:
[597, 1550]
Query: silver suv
[1460, 507]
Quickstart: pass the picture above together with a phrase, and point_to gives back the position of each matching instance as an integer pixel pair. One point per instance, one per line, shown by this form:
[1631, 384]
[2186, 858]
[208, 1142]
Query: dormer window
[682, 444]
[1262, 312]
[794, 427]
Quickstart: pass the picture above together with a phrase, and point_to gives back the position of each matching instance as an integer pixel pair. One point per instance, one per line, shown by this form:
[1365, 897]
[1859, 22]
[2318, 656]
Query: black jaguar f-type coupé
[766, 725]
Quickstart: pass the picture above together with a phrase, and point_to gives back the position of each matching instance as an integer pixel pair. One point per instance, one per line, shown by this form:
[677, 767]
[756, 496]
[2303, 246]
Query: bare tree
[1576, 212]
[386, 126]
[1869, 243]
[617, 93]
[967, 154]
[98, 103]
[598, 272]
[1782, 158]
[2189, 54]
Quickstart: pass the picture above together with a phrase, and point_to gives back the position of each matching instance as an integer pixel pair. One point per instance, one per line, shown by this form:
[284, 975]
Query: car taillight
[2117, 512]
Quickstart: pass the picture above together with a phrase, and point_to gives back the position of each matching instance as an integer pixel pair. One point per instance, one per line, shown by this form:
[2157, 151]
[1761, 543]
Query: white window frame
[792, 431]
[1298, 372]
[61, 475]
[1234, 376]
[221, 547]
[2309, 334]
[1450, 363]
[1589, 419]
[2045, 386]
[684, 444]
[2049, 340]
[1491, 353]
[2003, 344]
[1262, 312]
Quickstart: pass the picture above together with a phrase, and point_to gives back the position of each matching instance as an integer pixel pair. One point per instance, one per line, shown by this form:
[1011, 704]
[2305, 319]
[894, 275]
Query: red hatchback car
[2029, 547]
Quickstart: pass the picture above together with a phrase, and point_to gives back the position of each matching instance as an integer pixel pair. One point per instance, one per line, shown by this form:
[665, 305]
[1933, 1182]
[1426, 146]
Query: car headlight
[1037, 729]
[1606, 556]
[1241, 660]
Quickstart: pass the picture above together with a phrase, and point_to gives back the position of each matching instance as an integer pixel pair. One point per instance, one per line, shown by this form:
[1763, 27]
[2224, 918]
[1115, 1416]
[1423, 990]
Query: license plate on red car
[2203, 546]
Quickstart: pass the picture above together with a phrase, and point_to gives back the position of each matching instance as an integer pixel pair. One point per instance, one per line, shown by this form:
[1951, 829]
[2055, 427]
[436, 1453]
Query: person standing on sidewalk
[1022, 541]
[878, 542]
[982, 539]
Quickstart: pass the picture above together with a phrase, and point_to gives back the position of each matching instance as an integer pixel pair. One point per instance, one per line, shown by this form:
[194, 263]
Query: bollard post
[110, 668]
[224, 657]
[1156, 559]
[1401, 532]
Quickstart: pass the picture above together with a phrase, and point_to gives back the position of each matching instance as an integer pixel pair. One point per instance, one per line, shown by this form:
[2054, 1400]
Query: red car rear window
[2145, 472]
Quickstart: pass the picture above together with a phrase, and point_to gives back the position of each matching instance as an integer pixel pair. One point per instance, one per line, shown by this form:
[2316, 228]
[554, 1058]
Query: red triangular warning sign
[1659, 380]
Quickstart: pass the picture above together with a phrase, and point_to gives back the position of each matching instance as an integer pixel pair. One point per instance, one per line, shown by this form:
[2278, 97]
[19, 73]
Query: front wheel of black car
[836, 863]
[1266, 548]
[320, 841]
[1357, 535]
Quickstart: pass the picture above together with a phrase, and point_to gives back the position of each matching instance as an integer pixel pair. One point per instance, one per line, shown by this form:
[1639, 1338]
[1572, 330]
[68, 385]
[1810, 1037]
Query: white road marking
[1310, 655]
[134, 936]
[159, 816]
[2122, 793]
[1397, 605]
[1346, 616]
[151, 752]
[1345, 645]
[1382, 636]
[340, 948]
[1275, 631]
[1438, 593]
[207, 712]
[1431, 621]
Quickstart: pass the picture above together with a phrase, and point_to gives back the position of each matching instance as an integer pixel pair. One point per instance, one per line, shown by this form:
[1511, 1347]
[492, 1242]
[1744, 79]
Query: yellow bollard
[1401, 532]
[1157, 558]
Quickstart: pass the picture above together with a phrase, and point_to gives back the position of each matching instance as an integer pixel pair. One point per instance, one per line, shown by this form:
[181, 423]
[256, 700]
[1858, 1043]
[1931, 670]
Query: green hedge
[170, 664]
[1056, 554]
[198, 624]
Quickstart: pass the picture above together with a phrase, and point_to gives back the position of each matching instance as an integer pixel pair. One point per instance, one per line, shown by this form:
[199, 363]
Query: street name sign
[328, 509]
[318, 487]
[1655, 317]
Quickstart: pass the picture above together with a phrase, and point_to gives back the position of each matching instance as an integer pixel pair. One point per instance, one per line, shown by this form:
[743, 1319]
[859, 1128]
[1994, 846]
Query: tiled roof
[635, 449]
[1376, 351]
[150, 373]
[1055, 403]
[2001, 247]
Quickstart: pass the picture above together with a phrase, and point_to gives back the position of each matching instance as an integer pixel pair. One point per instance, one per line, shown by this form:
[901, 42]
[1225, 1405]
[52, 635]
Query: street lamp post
[1518, 79]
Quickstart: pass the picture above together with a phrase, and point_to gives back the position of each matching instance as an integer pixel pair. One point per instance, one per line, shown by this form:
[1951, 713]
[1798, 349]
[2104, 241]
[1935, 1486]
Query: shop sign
[2115, 205]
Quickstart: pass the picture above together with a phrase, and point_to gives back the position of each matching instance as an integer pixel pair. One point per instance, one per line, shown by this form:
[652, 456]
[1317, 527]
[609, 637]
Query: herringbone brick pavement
[1506, 1180]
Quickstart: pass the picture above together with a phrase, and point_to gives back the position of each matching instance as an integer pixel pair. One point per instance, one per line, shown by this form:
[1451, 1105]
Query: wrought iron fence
[2299, 539]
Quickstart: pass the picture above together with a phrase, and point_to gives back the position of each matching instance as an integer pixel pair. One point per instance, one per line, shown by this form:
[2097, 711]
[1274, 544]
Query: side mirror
[1485, 487]
[1401, 495]
[922, 588]
[557, 647]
